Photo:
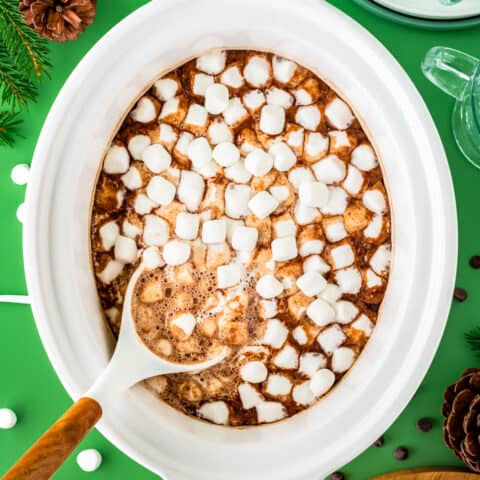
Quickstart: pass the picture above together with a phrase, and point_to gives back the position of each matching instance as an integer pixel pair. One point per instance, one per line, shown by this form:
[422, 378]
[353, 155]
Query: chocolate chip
[475, 261]
[337, 476]
[460, 294]
[400, 453]
[424, 424]
[379, 442]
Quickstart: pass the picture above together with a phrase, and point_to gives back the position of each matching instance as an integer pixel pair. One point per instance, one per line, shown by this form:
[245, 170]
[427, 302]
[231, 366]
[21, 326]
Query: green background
[28, 383]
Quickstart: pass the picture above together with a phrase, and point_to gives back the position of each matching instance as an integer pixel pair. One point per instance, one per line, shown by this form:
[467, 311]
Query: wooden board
[433, 473]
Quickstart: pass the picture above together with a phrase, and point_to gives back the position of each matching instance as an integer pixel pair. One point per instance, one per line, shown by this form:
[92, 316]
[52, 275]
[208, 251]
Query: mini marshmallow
[380, 261]
[186, 225]
[320, 312]
[275, 334]
[374, 201]
[258, 162]
[125, 250]
[339, 140]
[364, 324]
[143, 204]
[278, 385]
[234, 112]
[322, 381]
[287, 358]
[254, 99]
[330, 169]
[305, 215]
[152, 258]
[210, 170]
[339, 114]
[132, 179]
[299, 175]
[216, 98]
[156, 158]
[197, 116]
[245, 238]
[237, 172]
[109, 233]
[373, 280]
[277, 96]
[20, 173]
[337, 201]
[120, 197]
[201, 82]
[311, 283]
[268, 412]
[145, 111]
[212, 63]
[136, 145]
[353, 181]
[186, 322]
[216, 412]
[268, 308]
[165, 88]
[316, 145]
[308, 117]
[214, 231]
[302, 394]
[349, 280]
[257, 71]
[229, 275]
[160, 190]
[283, 69]
[254, 372]
[269, 287]
[315, 263]
[184, 141]
[311, 247]
[111, 271]
[199, 152]
[342, 256]
[226, 154]
[313, 194]
[281, 193]
[262, 204]
[156, 231]
[374, 228]
[170, 107]
[311, 362]
[176, 252]
[285, 228]
[8, 418]
[364, 157]
[335, 230]
[272, 119]
[342, 359]
[283, 156]
[236, 200]
[190, 190]
[249, 396]
[302, 97]
[232, 77]
[89, 460]
[284, 249]
[331, 293]
[345, 311]
[116, 160]
[295, 138]
[167, 135]
[232, 225]
[219, 132]
[331, 338]
[299, 335]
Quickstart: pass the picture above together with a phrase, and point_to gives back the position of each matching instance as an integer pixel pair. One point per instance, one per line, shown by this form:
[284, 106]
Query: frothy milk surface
[256, 202]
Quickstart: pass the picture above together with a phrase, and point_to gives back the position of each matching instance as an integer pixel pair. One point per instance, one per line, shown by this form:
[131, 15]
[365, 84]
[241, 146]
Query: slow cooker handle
[49, 452]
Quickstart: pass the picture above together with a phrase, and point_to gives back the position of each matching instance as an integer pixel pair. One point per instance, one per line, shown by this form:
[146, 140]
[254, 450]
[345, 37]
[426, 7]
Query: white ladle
[131, 362]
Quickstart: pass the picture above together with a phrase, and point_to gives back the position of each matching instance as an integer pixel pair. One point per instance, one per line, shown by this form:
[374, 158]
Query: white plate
[80, 125]
[433, 9]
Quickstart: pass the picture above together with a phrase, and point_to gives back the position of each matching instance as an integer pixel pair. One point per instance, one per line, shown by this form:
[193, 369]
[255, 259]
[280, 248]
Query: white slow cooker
[79, 127]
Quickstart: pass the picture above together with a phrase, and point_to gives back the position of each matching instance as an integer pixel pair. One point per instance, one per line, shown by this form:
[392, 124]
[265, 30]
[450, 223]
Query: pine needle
[473, 339]
[9, 127]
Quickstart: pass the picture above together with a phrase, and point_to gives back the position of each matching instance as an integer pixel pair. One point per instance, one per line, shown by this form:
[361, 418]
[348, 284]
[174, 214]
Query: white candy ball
[19, 174]
[89, 460]
[8, 418]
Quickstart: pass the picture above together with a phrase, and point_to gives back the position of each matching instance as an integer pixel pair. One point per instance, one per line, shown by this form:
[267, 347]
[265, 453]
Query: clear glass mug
[458, 75]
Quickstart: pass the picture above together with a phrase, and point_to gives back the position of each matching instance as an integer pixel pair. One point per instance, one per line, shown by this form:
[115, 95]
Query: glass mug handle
[450, 70]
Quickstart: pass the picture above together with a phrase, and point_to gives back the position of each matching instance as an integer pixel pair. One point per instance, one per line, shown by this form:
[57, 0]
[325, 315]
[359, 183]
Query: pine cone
[58, 20]
[461, 409]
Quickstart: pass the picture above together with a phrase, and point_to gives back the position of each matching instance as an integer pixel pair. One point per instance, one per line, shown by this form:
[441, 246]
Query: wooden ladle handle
[49, 452]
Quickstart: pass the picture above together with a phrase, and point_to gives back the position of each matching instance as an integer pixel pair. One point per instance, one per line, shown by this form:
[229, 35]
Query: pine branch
[9, 127]
[24, 46]
[473, 339]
